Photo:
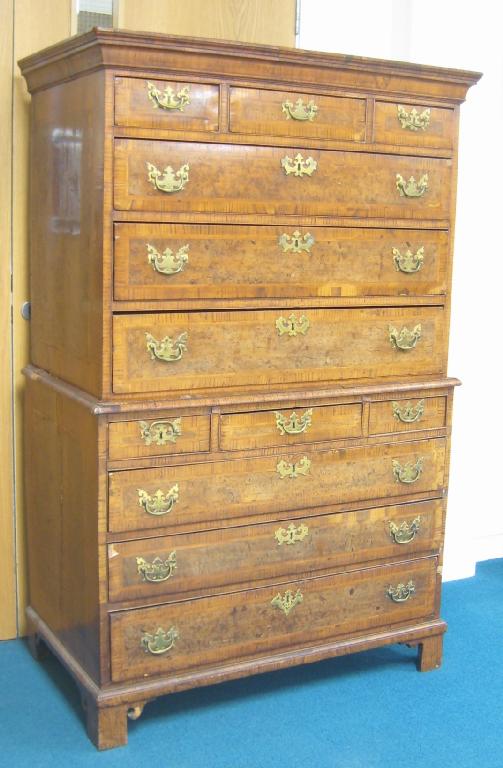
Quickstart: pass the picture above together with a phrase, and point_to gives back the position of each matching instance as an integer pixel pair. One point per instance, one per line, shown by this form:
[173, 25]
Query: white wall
[466, 35]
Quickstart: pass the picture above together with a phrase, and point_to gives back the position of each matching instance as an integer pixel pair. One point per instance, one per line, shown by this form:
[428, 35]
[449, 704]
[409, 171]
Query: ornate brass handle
[401, 592]
[288, 601]
[168, 180]
[408, 262]
[160, 432]
[404, 339]
[285, 469]
[160, 503]
[292, 534]
[295, 424]
[296, 243]
[409, 413]
[167, 350]
[405, 532]
[412, 188]
[158, 569]
[161, 641]
[298, 166]
[407, 473]
[292, 325]
[300, 111]
[168, 262]
[413, 120]
[169, 99]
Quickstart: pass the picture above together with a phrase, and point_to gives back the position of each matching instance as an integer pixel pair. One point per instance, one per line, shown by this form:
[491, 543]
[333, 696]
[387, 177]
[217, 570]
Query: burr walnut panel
[423, 126]
[161, 436]
[402, 415]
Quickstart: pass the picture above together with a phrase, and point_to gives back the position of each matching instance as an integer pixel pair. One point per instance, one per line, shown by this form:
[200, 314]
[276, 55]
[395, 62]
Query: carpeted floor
[369, 710]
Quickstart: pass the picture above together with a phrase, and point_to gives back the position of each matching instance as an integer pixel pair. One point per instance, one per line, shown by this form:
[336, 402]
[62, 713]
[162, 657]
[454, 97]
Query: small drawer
[280, 113]
[413, 125]
[211, 631]
[262, 429]
[403, 415]
[166, 105]
[190, 565]
[158, 437]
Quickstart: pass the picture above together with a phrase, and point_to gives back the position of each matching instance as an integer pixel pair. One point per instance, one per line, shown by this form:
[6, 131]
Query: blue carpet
[369, 710]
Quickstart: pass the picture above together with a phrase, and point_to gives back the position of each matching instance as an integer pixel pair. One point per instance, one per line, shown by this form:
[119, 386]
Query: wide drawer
[282, 113]
[187, 565]
[404, 414]
[213, 630]
[263, 429]
[215, 494]
[166, 104]
[229, 178]
[205, 261]
[413, 125]
[161, 436]
[190, 350]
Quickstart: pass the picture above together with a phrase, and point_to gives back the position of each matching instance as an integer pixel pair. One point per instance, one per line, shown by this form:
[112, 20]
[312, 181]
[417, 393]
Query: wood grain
[126, 441]
[439, 134]
[382, 419]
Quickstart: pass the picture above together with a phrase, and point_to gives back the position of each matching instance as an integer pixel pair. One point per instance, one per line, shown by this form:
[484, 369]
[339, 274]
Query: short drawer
[414, 125]
[158, 437]
[190, 350]
[215, 494]
[246, 625]
[166, 105]
[173, 176]
[402, 415]
[189, 565]
[282, 113]
[212, 261]
[262, 429]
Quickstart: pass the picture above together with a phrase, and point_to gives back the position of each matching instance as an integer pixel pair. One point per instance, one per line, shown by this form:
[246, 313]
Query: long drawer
[213, 494]
[175, 350]
[220, 178]
[193, 261]
[191, 565]
[214, 630]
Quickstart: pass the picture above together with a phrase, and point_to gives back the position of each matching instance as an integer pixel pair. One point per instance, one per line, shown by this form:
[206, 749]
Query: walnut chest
[237, 409]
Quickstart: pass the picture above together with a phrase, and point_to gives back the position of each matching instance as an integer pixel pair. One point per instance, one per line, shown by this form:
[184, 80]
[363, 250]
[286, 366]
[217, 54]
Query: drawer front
[413, 125]
[280, 113]
[402, 415]
[210, 631]
[219, 178]
[190, 350]
[165, 104]
[192, 564]
[216, 493]
[158, 437]
[205, 261]
[263, 429]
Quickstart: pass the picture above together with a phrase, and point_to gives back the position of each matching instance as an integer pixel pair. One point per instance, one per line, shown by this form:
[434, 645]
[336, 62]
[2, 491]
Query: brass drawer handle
[292, 325]
[404, 339]
[168, 99]
[158, 569]
[413, 120]
[401, 592]
[285, 469]
[168, 262]
[161, 641]
[296, 243]
[288, 601]
[168, 350]
[168, 180]
[298, 166]
[160, 432]
[300, 111]
[405, 532]
[292, 534]
[407, 473]
[412, 188]
[160, 503]
[409, 413]
[408, 262]
[295, 425]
